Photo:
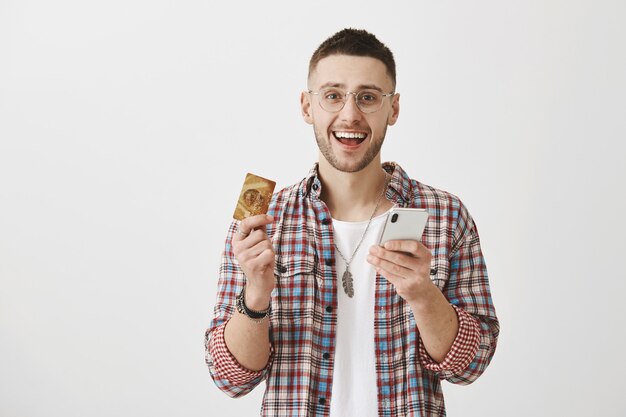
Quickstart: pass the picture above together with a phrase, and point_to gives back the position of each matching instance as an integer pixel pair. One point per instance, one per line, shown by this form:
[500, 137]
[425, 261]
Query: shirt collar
[399, 190]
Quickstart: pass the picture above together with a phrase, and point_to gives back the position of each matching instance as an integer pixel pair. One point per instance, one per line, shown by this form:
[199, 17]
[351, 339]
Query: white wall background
[126, 128]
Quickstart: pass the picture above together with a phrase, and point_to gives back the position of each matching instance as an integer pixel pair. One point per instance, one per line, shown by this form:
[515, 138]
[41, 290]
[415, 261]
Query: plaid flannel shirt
[304, 315]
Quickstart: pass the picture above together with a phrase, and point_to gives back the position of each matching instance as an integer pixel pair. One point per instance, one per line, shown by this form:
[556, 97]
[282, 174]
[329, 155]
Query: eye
[332, 95]
[368, 97]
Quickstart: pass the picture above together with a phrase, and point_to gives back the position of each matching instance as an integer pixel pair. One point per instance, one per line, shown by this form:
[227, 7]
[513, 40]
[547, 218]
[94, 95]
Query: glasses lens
[369, 100]
[331, 99]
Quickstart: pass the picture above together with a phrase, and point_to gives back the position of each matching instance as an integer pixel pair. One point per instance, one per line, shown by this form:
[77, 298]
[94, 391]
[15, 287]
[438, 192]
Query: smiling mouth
[350, 138]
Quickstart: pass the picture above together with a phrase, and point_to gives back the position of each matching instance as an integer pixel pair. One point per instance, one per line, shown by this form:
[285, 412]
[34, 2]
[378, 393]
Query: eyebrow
[358, 88]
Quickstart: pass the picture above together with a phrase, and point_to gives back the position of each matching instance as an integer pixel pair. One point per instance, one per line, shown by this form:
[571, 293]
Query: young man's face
[350, 139]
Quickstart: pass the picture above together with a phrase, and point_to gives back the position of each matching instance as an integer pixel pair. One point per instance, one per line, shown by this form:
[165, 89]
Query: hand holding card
[251, 246]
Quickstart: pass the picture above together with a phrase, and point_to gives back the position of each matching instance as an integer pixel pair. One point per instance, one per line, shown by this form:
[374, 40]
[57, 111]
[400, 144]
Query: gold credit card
[255, 196]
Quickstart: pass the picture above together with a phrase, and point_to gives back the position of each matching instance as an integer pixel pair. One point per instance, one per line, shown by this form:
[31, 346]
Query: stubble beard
[323, 143]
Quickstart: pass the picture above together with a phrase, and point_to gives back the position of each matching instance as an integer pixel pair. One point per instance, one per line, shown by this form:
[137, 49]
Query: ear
[395, 110]
[305, 106]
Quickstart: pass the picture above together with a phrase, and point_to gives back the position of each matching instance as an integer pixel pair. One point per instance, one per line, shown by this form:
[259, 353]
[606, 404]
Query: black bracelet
[253, 314]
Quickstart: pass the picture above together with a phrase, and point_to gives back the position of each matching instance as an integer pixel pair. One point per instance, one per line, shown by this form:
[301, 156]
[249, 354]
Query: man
[415, 312]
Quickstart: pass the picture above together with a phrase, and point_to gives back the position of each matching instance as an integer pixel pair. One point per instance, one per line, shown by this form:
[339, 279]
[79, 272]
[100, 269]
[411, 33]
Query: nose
[350, 112]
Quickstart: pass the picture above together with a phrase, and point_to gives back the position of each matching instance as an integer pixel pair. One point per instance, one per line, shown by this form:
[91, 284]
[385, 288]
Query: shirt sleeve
[467, 289]
[463, 348]
[228, 375]
[225, 363]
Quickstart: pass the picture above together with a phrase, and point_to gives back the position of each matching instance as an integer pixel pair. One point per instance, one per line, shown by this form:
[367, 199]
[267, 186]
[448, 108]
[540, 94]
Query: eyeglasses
[368, 101]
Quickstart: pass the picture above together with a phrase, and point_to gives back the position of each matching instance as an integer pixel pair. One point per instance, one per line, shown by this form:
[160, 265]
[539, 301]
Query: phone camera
[394, 218]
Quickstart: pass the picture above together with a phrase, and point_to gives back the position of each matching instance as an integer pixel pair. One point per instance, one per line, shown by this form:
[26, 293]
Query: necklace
[346, 278]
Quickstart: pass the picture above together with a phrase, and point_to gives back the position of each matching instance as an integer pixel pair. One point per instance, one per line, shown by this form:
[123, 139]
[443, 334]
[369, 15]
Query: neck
[352, 196]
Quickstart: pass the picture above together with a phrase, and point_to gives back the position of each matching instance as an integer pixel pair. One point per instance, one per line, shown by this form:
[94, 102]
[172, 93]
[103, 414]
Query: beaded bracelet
[254, 315]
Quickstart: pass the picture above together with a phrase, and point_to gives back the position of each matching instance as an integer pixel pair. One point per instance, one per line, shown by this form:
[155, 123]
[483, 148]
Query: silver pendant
[346, 280]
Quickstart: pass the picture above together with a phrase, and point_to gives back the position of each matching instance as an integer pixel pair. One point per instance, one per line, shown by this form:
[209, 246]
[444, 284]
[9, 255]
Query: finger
[248, 224]
[255, 237]
[400, 258]
[264, 260]
[390, 267]
[394, 279]
[242, 246]
[413, 247]
[255, 222]
[259, 248]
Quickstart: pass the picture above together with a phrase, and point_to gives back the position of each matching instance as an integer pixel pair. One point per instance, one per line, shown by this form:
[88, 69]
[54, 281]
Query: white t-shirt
[354, 390]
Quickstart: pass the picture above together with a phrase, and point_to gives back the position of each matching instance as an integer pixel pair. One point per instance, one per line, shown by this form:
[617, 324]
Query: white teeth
[350, 135]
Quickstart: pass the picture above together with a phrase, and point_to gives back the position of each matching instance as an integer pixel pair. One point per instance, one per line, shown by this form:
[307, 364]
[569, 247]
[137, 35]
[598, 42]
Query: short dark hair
[355, 42]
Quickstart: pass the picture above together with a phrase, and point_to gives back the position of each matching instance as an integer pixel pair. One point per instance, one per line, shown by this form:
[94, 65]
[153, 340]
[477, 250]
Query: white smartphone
[404, 224]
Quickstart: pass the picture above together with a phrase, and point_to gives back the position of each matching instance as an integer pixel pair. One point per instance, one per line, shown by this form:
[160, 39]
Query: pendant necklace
[346, 278]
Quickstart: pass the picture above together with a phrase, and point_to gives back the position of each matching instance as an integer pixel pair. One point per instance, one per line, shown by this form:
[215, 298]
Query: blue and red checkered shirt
[304, 314]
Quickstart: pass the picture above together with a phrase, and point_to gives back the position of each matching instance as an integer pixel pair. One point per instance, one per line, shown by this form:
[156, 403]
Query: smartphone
[404, 224]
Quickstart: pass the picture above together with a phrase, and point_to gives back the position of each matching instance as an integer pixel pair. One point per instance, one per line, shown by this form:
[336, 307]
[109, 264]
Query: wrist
[257, 299]
[426, 299]
[255, 315]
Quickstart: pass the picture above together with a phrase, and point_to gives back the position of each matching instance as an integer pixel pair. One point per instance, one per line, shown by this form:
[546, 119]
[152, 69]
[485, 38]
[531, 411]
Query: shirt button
[326, 221]
[282, 269]
[315, 187]
[328, 262]
[329, 309]
[322, 400]
[433, 271]
[326, 355]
